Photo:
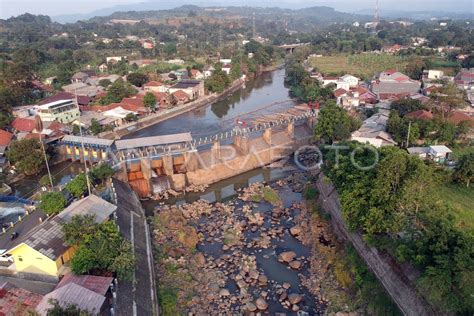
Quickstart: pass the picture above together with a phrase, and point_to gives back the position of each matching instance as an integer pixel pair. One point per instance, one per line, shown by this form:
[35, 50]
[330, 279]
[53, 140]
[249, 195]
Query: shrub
[52, 202]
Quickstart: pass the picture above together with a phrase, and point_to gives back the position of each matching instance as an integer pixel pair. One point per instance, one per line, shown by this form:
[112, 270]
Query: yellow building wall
[29, 260]
[66, 257]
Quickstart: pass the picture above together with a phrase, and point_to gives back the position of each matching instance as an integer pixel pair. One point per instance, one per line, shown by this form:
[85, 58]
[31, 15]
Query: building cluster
[42, 254]
[391, 85]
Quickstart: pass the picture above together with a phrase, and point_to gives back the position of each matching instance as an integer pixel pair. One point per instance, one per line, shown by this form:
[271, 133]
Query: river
[263, 95]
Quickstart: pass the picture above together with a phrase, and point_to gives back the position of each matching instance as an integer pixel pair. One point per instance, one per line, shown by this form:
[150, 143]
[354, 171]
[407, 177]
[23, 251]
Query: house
[63, 111]
[393, 85]
[196, 74]
[435, 74]
[5, 138]
[208, 71]
[175, 61]
[43, 249]
[148, 45]
[115, 59]
[373, 131]
[328, 80]
[118, 114]
[458, 117]
[351, 80]
[465, 79]
[81, 88]
[227, 68]
[163, 99]
[420, 115]
[392, 49]
[180, 96]
[365, 95]
[103, 67]
[72, 294]
[16, 300]
[439, 153]
[193, 88]
[23, 125]
[79, 77]
[155, 86]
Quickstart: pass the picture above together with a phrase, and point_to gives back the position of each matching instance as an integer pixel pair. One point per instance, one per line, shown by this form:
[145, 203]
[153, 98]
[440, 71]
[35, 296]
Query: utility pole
[408, 134]
[86, 170]
[39, 129]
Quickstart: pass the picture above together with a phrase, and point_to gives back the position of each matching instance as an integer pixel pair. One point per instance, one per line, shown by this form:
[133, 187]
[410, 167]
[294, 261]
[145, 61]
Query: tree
[78, 185]
[235, 70]
[95, 127]
[137, 79]
[117, 91]
[102, 248]
[69, 310]
[131, 117]
[44, 181]
[5, 119]
[26, 155]
[407, 105]
[105, 83]
[52, 202]
[464, 170]
[398, 127]
[102, 172]
[334, 123]
[76, 130]
[414, 69]
[149, 101]
[448, 98]
[218, 81]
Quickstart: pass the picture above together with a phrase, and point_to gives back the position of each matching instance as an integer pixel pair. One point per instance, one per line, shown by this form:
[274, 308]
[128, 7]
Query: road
[137, 297]
[22, 228]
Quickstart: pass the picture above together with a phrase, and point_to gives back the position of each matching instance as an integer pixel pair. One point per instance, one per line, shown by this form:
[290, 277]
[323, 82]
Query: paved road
[28, 223]
[138, 297]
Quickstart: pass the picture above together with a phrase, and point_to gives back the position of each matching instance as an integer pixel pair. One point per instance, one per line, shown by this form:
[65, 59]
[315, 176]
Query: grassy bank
[461, 200]
[364, 66]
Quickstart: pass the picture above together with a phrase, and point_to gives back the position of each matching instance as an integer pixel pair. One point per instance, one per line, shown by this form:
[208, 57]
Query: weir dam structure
[153, 164]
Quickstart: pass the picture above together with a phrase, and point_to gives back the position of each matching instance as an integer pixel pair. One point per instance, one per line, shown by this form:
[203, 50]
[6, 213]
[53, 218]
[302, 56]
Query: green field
[364, 66]
[461, 199]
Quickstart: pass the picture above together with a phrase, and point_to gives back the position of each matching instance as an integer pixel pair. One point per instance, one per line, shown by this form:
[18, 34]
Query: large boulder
[199, 259]
[287, 256]
[261, 304]
[295, 230]
[295, 298]
[251, 307]
[224, 293]
[295, 264]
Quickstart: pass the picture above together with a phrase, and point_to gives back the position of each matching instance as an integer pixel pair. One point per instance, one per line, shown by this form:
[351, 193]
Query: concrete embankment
[398, 281]
[161, 116]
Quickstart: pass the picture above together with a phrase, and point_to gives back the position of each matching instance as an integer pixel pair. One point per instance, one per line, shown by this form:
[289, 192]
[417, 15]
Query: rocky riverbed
[261, 252]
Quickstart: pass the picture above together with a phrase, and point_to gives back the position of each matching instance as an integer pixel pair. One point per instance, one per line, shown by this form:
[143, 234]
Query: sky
[10, 8]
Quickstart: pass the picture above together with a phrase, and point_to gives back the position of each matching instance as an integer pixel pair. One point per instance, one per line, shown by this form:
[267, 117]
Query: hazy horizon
[53, 8]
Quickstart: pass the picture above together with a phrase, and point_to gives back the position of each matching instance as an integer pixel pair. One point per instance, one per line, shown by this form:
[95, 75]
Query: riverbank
[161, 116]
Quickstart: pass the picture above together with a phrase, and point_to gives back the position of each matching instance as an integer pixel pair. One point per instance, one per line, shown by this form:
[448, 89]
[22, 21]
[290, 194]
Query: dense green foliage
[464, 170]
[69, 310]
[137, 79]
[52, 202]
[78, 185]
[334, 123]
[101, 172]
[218, 81]
[95, 127]
[101, 248]
[392, 204]
[149, 101]
[26, 155]
[117, 91]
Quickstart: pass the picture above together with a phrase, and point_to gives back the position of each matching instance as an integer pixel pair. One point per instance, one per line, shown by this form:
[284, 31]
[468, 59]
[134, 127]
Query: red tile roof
[181, 95]
[17, 301]
[420, 115]
[98, 284]
[23, 124]
[133, 101]
[458, 117]
[5, 138]
[339, 92]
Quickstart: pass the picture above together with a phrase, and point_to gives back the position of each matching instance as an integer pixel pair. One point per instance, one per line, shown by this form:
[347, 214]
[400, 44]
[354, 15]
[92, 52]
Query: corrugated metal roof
[88, 140]
[98, 284]
[153, 141]
[90, 205]
[73, 294]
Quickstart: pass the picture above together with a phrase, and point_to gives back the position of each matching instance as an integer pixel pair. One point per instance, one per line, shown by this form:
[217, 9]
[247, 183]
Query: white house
[439, 153]
[435, 74]
[351, 80]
